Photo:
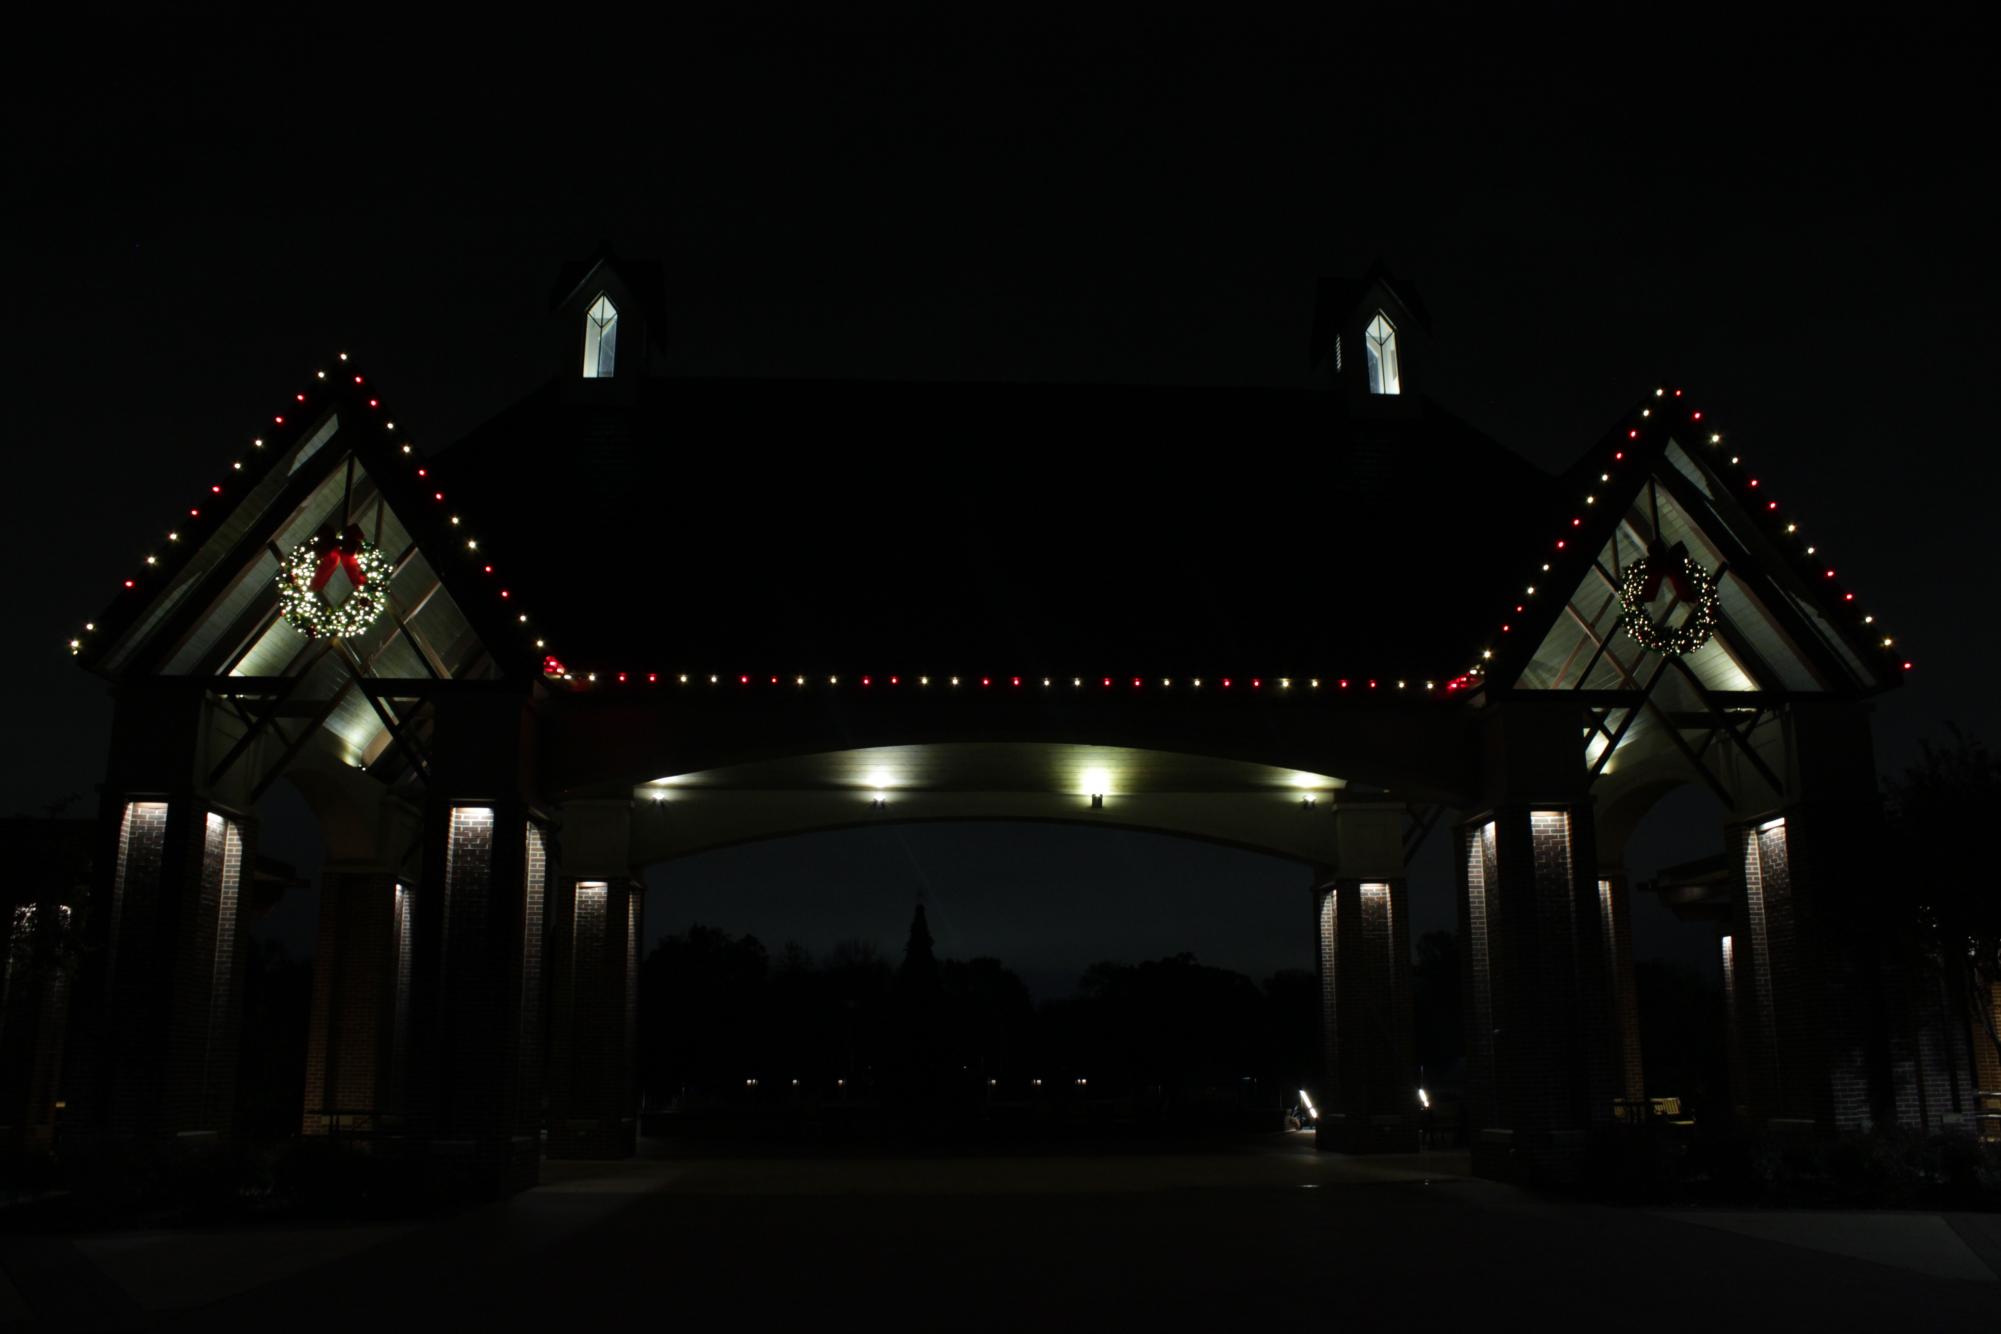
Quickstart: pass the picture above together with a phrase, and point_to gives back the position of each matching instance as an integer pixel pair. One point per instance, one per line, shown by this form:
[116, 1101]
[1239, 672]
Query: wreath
[1691, 583]
[304, 575]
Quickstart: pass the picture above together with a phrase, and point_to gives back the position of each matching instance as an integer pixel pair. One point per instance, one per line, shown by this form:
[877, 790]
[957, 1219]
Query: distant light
[1097, 782]
[1311, 1110]
[1424, 1099]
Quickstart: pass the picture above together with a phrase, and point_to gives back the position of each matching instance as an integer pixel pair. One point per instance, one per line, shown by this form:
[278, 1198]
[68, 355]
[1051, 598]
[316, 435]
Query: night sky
[1796, 225]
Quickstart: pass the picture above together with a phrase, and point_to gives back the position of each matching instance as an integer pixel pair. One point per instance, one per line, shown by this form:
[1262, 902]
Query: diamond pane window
[1380, 340]
[600, 338]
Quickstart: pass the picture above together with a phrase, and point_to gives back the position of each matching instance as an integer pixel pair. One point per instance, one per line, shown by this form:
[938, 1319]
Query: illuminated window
[1380, 341]
[600, 338]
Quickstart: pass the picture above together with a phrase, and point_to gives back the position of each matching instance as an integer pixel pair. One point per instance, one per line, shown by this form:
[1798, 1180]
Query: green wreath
[305, 572]
[1693, 584]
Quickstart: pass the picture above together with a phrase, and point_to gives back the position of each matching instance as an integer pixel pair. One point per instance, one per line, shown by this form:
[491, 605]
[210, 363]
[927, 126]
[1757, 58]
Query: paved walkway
[1278, 1234]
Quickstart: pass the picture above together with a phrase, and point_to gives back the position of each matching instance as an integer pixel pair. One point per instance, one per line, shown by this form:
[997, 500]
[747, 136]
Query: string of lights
[356, 612]
[1756, 502]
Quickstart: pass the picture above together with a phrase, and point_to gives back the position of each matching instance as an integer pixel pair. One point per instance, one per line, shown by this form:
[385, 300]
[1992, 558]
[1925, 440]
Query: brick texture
[163, 977]
[1616, 932]
[465, 1100]
[592, 1110]
[1369, 1085]
[1543, 1068]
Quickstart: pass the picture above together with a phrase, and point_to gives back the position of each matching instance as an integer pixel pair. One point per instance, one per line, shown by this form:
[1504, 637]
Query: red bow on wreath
[1671, 566]
[344, 554]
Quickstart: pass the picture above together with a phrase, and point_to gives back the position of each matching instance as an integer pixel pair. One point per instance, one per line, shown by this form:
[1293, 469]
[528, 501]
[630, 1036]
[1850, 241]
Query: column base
[1340, 1133]
[604, 1139]
[1554, 1158]
[482, 1169]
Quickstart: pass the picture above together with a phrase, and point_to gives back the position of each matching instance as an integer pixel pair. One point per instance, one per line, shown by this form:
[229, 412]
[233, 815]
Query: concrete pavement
[1275, 1233]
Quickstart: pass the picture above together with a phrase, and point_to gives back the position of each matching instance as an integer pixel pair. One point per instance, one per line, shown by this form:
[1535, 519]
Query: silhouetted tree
[705, 1010]
[990, 1014]
[1437, 1012]
[1940, 811]
[922, 1056]
[919, 971]
[1292, 999]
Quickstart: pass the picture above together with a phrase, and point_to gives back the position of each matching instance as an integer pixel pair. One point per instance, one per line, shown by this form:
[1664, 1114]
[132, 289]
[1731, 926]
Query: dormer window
[1380, 341]
[600, 338]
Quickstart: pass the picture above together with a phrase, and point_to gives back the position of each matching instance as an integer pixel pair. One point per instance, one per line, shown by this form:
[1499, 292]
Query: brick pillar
[1987, 1071]
[1615, 929]
[468, 1104]
[594, 939]
[158, 1001]
[361, 1002]
[1368, 1082]
[1842, 1028]
[1735, 1019]
[1541, 1041]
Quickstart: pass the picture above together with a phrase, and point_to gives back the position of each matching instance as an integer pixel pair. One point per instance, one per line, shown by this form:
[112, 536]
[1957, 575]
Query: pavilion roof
[798, 526]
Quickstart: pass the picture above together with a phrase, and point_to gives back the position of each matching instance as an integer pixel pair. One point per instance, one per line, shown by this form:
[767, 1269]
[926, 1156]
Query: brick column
[594, 939]
[361, 1002]
[469, 1106]
[1837, 1022]
[1541, 1041]
[158, 1000]
[1986, 1062]
[1736, 1011]
[1615, 931]
[1368, 1084]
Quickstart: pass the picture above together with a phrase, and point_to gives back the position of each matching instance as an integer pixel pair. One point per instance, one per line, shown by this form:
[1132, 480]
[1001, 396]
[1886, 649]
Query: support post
[1368, 1072]
[595, 932]
[596, 999]
[473, 1092]
[1539, 971]
[158, 1002]
[1615, 929]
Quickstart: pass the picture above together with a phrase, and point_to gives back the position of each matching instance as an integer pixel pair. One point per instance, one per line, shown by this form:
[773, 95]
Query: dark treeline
[720, 1010]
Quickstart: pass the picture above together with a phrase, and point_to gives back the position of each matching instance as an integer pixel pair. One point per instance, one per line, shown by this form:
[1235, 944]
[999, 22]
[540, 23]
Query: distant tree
[990, 1014]
[1438, 1014]
[1292, 1000]
[724, 980]
[1171, 1022]
[921, 1058]
[919, 972]
[1941, 814]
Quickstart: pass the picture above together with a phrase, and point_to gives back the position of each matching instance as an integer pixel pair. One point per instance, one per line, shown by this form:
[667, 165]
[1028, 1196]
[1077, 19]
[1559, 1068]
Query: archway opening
[280, 933]
[1058, 978]
[1679, 904]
